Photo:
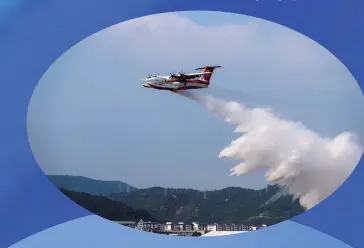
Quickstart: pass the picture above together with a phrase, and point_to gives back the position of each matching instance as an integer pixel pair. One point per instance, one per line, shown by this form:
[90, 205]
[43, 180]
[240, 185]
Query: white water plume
[303, 163]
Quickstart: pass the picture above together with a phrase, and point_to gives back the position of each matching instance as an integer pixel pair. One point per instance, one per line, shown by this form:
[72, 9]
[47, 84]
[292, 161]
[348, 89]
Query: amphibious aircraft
[181, 81]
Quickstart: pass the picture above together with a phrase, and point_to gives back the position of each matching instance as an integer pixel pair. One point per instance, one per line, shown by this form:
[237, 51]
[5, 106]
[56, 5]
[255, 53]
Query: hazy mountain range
[229, 205]
[88, 185]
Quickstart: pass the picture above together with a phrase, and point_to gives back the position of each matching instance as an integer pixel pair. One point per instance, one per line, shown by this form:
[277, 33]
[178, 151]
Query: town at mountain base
[190, 229]
[186, 211]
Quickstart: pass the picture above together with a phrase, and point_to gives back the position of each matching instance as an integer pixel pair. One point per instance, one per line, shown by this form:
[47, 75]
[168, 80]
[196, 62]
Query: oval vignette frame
[117, 31]
[43, 206]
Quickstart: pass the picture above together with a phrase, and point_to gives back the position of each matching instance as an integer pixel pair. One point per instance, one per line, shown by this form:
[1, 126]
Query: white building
[140, 225]
[211, 227]
[180, 226]
[195, 226]
[168, 226]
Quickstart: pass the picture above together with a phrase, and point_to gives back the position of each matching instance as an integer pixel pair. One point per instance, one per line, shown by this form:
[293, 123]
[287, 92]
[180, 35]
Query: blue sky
[90, 116]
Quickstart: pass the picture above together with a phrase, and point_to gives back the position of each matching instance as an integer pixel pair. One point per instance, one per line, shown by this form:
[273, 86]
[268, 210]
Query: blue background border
[34, 33]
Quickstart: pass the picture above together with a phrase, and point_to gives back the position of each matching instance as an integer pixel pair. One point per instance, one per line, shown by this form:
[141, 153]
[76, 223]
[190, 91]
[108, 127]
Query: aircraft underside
[172, 86]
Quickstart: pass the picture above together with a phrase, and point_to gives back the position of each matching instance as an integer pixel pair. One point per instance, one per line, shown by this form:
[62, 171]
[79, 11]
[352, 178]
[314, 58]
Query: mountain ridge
[227, 205]
[89, 185]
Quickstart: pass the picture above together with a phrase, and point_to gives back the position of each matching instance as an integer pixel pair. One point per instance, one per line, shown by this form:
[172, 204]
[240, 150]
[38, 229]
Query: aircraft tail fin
[207, 77]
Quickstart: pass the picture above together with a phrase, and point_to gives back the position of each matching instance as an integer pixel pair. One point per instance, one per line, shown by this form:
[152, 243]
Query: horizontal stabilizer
[211, 67]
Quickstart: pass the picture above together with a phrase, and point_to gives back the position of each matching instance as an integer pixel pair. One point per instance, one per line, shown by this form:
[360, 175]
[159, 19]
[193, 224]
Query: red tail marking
[207, 77]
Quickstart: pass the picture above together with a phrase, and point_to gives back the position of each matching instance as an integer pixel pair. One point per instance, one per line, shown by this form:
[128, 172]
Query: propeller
[182, 73]
[172, 74]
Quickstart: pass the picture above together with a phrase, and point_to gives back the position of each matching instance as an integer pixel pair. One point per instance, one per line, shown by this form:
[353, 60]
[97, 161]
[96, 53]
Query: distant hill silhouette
[229, 205]
[88, 185]
[106, 208]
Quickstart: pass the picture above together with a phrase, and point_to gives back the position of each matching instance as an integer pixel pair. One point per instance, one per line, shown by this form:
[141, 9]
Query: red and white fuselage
[181, 81]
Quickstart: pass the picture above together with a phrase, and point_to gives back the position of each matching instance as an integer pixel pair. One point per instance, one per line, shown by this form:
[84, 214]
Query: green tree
[196, 234]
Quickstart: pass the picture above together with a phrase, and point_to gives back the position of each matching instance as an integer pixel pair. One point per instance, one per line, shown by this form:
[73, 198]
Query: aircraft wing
[195, 75]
